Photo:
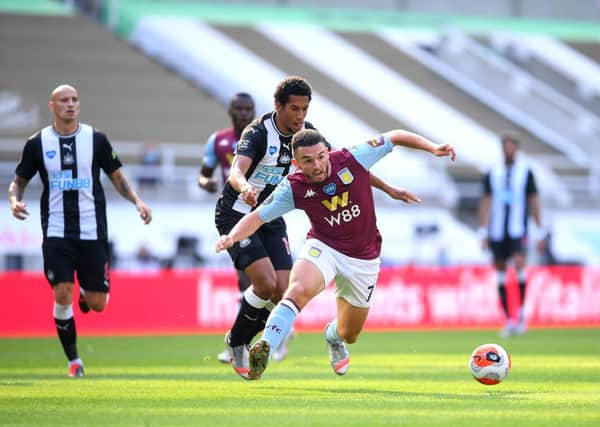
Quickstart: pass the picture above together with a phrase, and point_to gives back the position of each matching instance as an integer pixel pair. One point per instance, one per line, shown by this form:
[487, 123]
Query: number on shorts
[371, 289]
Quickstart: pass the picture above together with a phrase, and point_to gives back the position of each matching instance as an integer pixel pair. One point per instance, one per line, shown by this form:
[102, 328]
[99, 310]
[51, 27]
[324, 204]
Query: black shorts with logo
[89, 258]
[270, 241]
[502, 250]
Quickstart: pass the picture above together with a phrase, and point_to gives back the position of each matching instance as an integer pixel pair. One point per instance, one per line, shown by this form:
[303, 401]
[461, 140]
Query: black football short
[88, 258]
[502, 250]
[269, 241]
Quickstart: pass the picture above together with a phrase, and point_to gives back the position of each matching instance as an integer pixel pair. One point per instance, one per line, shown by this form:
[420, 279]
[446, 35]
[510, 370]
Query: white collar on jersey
[275, 126]
[60, 135]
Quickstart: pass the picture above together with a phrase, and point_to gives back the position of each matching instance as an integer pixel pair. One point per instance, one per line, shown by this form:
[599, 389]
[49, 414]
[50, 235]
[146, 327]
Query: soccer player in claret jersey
[220, 147]
[69, 155]
[343, 243]
[263, 158]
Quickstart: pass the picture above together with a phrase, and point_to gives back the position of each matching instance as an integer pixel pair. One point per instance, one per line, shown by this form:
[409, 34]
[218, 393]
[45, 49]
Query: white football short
[355, 279]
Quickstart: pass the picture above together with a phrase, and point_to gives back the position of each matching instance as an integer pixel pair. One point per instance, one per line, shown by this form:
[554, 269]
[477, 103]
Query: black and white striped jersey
[509, 189]
[270, 151]
[73, 204]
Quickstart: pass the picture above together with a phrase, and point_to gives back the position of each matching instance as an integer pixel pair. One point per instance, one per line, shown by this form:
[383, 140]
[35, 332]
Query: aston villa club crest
[346, 176]
[376, 142]
[314, 252]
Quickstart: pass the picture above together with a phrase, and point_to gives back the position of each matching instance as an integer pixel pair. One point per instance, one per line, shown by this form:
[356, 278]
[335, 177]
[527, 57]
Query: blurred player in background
[68, 155]
[343, 243]
[219, 151]
[220, 146]
[509, 192]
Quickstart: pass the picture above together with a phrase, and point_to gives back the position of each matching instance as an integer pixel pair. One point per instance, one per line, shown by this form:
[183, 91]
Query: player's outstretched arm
[16, 189]
[121, 184]
[244, 228]
[413, 140]
[395, 193]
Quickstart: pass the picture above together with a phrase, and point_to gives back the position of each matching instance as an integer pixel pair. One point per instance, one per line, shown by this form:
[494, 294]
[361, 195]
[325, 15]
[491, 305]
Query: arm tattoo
[124, 189]
[16, 188]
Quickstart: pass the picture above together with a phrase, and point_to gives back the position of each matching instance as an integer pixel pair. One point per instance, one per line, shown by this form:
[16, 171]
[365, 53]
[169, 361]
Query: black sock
[68, 337]
[259, 325]
[502, 293]
[245, 324]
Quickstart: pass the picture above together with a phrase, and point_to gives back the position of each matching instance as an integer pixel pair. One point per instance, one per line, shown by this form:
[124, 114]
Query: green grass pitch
[418, 378]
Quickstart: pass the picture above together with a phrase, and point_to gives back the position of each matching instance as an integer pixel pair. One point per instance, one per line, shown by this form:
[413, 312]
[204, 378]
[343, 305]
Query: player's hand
[541, 245]
[145, 212]
[402, 194]
[19, 210]
[541, 239]
[249, 195]
[208, 184]
[444, 150]
[224, 242]
[485, 244]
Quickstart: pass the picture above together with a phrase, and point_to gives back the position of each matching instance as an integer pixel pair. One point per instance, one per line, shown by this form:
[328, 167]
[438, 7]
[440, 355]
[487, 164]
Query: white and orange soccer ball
[490, 364]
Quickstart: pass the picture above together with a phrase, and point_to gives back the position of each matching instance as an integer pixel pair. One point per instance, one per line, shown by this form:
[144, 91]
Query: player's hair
[511, 136]
[238, 95]
[307, 138]
[292, 85]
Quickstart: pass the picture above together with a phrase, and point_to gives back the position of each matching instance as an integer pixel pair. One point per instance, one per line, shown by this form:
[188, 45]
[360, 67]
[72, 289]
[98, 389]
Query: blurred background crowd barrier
[205, 301]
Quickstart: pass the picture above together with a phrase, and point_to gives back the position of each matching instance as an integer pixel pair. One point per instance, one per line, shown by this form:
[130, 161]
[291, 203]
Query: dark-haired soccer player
[510, 193]
[343, 243]
[69, 155]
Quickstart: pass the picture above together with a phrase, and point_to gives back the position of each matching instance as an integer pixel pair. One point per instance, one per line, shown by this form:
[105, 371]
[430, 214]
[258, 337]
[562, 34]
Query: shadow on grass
[475, 396]
[24, 379]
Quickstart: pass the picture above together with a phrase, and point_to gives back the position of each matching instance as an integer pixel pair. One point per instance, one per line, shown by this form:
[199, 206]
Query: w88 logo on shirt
[343, 209]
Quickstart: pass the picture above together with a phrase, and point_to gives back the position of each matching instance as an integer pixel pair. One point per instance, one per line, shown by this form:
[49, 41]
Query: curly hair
[292, 85]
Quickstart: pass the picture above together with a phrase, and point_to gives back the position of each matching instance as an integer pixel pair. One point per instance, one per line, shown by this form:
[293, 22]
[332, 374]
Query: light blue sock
[279, 323]
[331, 334]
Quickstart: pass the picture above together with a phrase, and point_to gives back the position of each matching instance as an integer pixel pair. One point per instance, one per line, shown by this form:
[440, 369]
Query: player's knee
[63, 293]
[97, 302]
[99, 307]
[265, 285]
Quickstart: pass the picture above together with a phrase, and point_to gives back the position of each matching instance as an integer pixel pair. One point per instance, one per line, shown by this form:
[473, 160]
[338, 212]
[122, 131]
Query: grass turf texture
[402, 378]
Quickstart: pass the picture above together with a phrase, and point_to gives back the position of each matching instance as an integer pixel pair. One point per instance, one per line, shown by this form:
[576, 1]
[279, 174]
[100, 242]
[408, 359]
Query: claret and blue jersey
[340, 209]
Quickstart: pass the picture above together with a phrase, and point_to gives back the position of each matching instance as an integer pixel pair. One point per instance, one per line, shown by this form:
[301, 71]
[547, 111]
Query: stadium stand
[208, 64]
[556, 63]
[173, 95]
[123, 91]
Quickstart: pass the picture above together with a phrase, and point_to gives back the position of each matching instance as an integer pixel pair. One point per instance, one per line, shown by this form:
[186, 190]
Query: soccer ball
[490, 364]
